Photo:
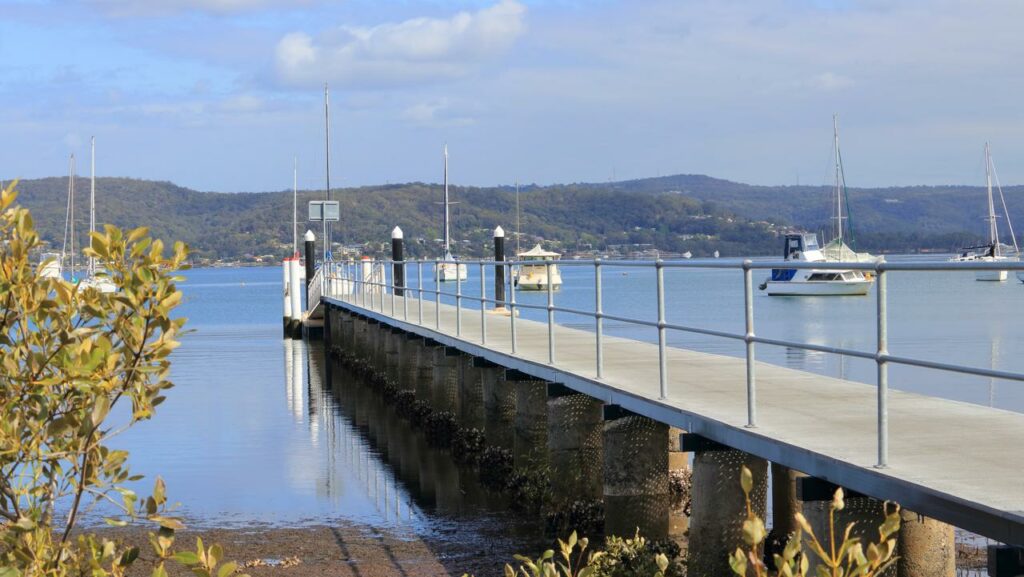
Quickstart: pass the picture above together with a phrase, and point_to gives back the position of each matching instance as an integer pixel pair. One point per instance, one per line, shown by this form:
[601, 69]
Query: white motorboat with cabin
[810, 281]
[535, 265]
[994, 251]
[448, 271]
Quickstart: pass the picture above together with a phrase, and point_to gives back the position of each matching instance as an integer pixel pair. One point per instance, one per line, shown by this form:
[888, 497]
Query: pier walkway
[951, 461]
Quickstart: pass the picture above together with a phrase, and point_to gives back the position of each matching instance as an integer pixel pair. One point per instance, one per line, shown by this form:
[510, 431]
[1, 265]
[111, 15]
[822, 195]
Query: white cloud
[416, 51]
[436, 113]
[829, 81]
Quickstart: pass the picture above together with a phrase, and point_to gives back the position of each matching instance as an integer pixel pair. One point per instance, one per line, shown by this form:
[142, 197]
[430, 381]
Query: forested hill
[893, 219]
[675, 214]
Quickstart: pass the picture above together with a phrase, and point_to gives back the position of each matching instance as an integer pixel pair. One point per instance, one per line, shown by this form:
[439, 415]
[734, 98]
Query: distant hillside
[227, 225]
[895, 218]
[674, 213]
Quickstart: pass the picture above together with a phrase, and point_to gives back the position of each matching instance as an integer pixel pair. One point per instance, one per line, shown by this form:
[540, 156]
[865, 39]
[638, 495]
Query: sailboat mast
[327, 196]
[838, 228]
[517, 218]
[993, 229]
[92, 203]
[447, 235]
[295, 206]
[72, 216]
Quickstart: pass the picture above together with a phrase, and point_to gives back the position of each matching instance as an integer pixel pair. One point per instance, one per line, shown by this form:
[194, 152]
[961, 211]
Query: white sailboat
[51, 264]
[448, 271]
[96, 277]
[534, 270]
[836, 250]
[994, 251]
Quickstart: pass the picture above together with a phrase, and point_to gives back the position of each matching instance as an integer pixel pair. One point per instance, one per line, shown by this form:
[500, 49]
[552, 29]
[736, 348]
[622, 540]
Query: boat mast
[92, 204]
[517, 217]
[67, 215]
[447, 240]
[327, 196]
[295, 207]
[72, 201]
[993, 229]
[838, 227]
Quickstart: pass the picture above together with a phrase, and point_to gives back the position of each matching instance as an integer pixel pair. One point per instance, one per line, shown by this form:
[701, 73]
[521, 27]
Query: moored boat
[535, 266]
[448, 271]
[994, 251]
[810, 281]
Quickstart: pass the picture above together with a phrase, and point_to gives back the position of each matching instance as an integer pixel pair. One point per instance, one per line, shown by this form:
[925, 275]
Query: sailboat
[51, 264]
[836, 250]
[994, 251]
[96, 277]
[804, 248]
[448, 271]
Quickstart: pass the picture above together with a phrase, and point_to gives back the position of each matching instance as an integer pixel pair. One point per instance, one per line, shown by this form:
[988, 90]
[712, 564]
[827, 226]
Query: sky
[225, 95]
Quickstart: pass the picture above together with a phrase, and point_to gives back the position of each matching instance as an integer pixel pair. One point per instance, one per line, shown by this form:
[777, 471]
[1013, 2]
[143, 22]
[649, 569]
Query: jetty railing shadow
[353, 279]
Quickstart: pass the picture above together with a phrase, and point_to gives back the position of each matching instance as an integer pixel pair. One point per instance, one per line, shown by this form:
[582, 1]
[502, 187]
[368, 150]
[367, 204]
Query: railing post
[458, 301]
[748, 338]
[659, 267]
[513, 311]
[598, 319]
[405, 294]
[394, 286]
[551, 314]
[883, 367]
[419, 288]
[437, 295]
[483, 306]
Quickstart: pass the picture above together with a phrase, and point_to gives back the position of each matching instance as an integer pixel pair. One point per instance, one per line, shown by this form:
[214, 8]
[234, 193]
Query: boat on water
[994, 251]
[96, 276]
[534, 269]
[837, 250]
[448, 271]
[811, 281]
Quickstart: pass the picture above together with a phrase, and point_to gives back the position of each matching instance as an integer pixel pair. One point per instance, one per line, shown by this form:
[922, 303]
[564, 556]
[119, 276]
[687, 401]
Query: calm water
[252, 434]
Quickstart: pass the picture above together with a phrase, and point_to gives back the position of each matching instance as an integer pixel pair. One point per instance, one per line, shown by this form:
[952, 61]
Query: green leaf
[186, 558]
[227, 569]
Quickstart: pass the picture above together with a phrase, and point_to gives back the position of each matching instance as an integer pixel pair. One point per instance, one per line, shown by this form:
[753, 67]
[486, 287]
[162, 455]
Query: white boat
[812, 282]
[51, 264]
[533, 270]
[687, 254]
[96, 276]
[994, 251]
[448, 271]
[836, 250]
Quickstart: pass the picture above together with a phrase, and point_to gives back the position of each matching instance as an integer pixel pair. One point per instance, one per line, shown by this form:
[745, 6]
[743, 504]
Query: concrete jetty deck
[951, 461]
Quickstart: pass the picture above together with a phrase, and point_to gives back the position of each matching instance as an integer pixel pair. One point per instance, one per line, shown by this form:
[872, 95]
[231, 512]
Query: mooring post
[295, 292]
[287, 297]
[310, 239]
[499, 269]
[398, 262]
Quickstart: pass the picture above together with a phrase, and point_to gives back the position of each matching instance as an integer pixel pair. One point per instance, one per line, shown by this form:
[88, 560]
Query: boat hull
[818, 288]
[991, 275]
[450, 272]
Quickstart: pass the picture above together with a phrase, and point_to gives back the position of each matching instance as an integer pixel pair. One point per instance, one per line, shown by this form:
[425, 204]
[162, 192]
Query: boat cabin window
[793, 247]
[810, 242]
[824, 276]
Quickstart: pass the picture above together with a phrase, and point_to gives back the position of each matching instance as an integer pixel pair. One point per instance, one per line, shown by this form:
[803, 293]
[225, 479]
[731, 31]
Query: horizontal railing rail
[368, 290]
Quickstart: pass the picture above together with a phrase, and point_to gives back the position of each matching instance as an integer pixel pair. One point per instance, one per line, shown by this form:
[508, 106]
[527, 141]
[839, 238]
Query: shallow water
[251, 434]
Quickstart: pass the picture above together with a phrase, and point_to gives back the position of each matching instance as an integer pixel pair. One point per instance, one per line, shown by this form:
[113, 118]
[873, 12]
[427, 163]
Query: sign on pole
[321, 210]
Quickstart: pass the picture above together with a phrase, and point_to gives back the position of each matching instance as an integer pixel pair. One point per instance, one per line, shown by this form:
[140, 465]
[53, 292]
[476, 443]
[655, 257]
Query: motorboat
[535, 266]
[804, 248]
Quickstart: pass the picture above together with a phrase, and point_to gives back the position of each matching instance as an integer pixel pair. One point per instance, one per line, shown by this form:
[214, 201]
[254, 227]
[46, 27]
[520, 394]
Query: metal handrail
[880, 355]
